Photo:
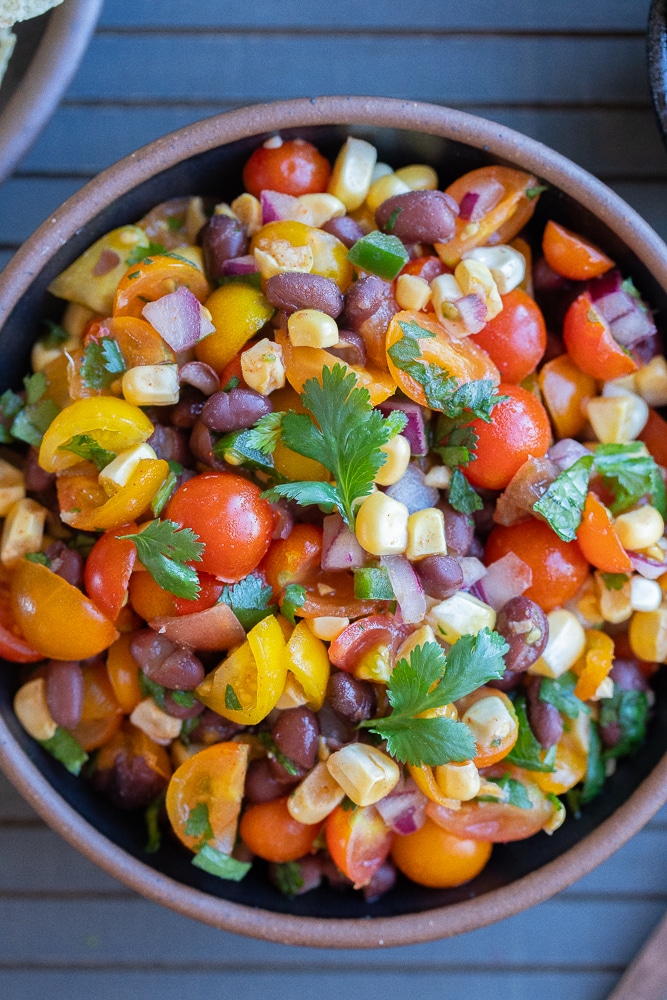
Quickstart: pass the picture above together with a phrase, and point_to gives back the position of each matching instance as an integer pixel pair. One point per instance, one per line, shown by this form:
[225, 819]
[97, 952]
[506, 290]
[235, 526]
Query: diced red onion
[404, 809]
[215, 628]
[340, 548]
[516, 502]
[649, 568]
[413, 491]
[235, 266]
[473, 312]
[629, 319]
[414, 430]
[506, 578]
[473, 570]
[566, 452]
[277, 206]
[201, 376]
[475, 204]
[407, 588]
[178, 318]
[283, 520]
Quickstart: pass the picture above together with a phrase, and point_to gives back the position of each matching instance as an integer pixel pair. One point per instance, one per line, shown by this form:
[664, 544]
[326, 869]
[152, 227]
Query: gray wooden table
[571, 73]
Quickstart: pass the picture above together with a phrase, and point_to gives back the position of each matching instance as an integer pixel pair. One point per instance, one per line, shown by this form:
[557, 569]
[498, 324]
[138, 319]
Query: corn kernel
[507, 265]
[419, 177]
[327, 627]
[648, 635]
[651, 381]
[639, 528]
[412, 292]
[75, 319]
[439, 476]
[615, 605]
[382, 525]
[22, 532]
[380, 170]
[566, 643]
[398, 453]
[557, 817]
[459, 781]
[365, 773]
[383, 188]
[42, 355]
[312, 328]
[263, 366]
[248, 210]
[32, 710]
[281, 256]
[317, 795]
[605, 689]
[645, 595]
[152, 720]
[179, 752]
[617, 419]
[489, 721]
[475, 278]
[419, 637]
[320, 207]
[461, 614]
[352, 172]
[426, 534]
[195, 255]
[375, 664]
[151, 385]
[118, 472]
[12, 486]
[293, 695]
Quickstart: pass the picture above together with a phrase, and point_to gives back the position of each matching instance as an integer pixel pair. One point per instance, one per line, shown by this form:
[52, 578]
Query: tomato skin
[654, 436]
[516, 338]
[589, 342]
[289, 560]
[215, 777]
[209, 592]
[559, 568]
[571, 255]
[519, 428]
[295, 167]
[108, 569]
[598, 540]
[231, 519]
[358, 842]
[270, 832]
[431, 856]
[12, 646]
[361, 636]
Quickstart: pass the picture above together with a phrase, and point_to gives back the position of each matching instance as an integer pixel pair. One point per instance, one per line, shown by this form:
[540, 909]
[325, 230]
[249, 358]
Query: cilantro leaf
[163, 495]
[293, 600]
[249, 599]
[198, 823]
[32, 422]
[151, 689]
[288, 878]
[35, 387]
[631, 473]
[152, 821]
[614, 581]
[11, 405]
[559, 692]
[232, 700]
[139, 253]
[629, 711]
[164, 549]
[55, 336]
[513, 793]
[563, 502]
[527, 752]
[426, 741]
[471, 662]
[66, 749]
[102, 363]
[237, 448]
[223, 865]
[265, 435]
[460, 447]
[462, 496]
[406, 354]
[86, 447]
[595, 770]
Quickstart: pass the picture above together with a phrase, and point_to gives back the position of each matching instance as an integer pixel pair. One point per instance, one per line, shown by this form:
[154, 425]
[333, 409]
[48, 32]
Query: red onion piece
[566, 452]
[404, 809]
[340, 548]
[234, 266]
[215, 628]
[277, 206]
[468, 202]
[283, 520]
[649, 568]
[524, 489]
[407, 588]
[178, 318]
[414, 430]
[473, 312]
[475, 204]
[413, 491]
[504, 579]
[629, 319]
[201, 376]
[473, 570]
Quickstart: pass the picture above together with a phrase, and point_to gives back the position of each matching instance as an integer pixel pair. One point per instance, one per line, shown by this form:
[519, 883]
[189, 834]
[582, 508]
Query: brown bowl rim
[441, 922]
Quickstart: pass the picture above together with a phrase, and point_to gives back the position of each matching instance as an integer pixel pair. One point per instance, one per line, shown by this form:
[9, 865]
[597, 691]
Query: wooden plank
[131, 931]
[25, 203]
[610, 143]
[580, 70]
[13, 808]
[571, 15]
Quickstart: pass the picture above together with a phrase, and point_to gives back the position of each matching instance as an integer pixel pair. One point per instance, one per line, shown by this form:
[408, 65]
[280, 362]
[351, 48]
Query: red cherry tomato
[358, 842]
[231, 519]
[108, 569]
[559, 568]
[590, 344]
[516, 338]
[428, 268]
[294, 167]
[361, 636]
[519, 428]
[209, 592]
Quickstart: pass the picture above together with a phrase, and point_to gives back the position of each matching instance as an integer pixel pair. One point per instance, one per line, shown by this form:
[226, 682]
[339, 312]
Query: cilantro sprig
[345, 435]
[429, 680]
[102, 363]
[250, 600]
[165, 549]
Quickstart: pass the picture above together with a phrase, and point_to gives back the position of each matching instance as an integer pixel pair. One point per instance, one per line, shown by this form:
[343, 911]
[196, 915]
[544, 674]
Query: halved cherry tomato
[101, 714]
[123, 673]
[428, 267]
[306, 657]
[289, 560]
[228, 514]
[238, 312]
[516, 338]
[56, 618]
[559, 568]
[12, 646]
[271, 832]
[431, 856]
[654, 436]
[294, 167]
[571, 255]
[332, 594]
[518, 429]
[566, 391]
[590, 343]
[358, 841]
[360, 637]
[108, 569]
[84, 504]
[596, 663]
[491, 753]
[148, 598]
[214, 777]
[571, 758]
[598, 540]
[209, 592]
[114, 423]
[155, 277]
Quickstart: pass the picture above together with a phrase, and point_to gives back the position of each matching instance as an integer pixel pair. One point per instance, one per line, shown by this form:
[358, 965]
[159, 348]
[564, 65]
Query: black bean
[149, 649]
[65, 562]
[507, 682]
[36, 479]
[352, 699]
[231, 411]
[350, 348]
[188, 408]
[221, 239]
[627, 675]
[544, 718]
[459, 530]
[296, 733]
[525, 627]
[382, 881]
[214, 728]
[179, 711]
[131, 783]
[418, 216]
[293, 290]
[345, 229]
[180, 670]
[260, 784]
[440, 576]
[170, 444]
[64, 692]
[364, 297]
[336, 731]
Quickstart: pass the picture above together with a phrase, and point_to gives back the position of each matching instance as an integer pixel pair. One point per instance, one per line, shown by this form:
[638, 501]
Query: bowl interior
[217, 172]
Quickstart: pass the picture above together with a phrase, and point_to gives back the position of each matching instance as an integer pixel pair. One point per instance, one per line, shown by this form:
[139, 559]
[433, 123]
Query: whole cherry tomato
[559, 568]
[431, 856]
[270, 832]
[519, 428]
[516, 338]
[358, 841]
[293, 167]
[228, 514]
[590, 343]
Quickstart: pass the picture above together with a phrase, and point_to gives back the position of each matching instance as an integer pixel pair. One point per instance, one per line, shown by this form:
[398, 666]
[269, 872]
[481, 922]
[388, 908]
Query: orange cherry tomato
[123, 673]
[596, 663]
[294, 167]
[463, 360]
[148, 598]
[516, 338]
[590, 343]
[598, 540]
[268, 829]
[428, 267]
[155, 277]
[358, 842]
[559, 568]
[519, 428]
[12, 646]
[228, 514]
[56, 618]
[571, 255]
[488, 754]
[431, 856]
[289, 560]
[213, 777]
[84, 503]
[101, 715]
[566, 391]
[108, 569]
[654, 436]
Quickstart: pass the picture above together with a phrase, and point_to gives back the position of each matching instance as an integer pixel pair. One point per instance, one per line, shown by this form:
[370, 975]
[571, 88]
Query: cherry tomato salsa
[324, 543]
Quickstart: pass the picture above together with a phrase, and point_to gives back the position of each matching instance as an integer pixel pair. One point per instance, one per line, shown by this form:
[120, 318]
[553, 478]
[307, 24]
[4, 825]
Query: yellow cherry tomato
[308, 660]
[595, 664]
[238, 311]
[79, 497]
[114, 423]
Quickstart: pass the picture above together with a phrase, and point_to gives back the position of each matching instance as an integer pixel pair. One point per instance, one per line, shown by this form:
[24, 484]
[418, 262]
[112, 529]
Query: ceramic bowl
[207, 158]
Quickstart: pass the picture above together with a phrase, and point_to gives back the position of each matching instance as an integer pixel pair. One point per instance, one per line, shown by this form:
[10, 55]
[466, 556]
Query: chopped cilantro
[151, 689]
[233, 383]
[559, 692]
[563, 502]
[629, 711]
[249, 599]
[462, 496]
[272, 750]
[391, 221]
[175, 224]
[614, 581]
[223, 865]
[152, 821]
[185, 699]
[32, 422]
[294, 598]
[231, 699]
[10, 406]
[139, 253]
[37, 557]
[35, 387]
[527, 752]
[63, 746]
[460, 446]
[288, 878]
[165, 549]
[102, 363]
[534, 192]
[631, 473]
[265, 435]
[87, 448]
[198, 823]
[595, 770]
[56, 335]
[237, 449]
[513, 793]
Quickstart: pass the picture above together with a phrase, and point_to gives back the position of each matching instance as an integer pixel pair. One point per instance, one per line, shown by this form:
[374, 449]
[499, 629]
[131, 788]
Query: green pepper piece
[379, 254]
